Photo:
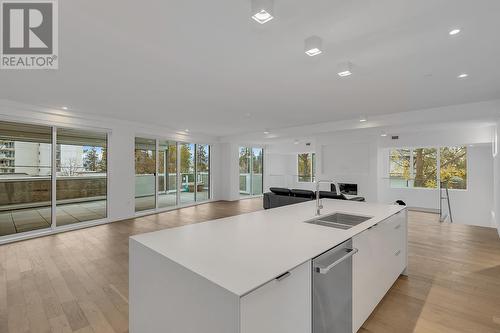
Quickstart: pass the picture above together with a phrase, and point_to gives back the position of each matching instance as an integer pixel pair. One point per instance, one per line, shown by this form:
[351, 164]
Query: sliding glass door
[145, 174]
[25, 178]
[257, 170]
[50, 177]
[187, 156]
[81, 164]
[251, 161]
[167, 174]
[202, 172]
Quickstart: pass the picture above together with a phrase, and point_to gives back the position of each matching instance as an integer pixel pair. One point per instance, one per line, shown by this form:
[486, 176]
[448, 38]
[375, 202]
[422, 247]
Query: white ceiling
[206, 66]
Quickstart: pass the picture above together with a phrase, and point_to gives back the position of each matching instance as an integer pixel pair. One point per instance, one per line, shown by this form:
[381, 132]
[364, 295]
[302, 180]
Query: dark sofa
[283, 196]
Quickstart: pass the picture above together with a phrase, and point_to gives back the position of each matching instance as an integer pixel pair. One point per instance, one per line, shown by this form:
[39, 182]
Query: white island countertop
[243, 252]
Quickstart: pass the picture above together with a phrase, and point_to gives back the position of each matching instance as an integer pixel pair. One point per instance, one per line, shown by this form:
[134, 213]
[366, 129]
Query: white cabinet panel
[382, 257]
[280, 306]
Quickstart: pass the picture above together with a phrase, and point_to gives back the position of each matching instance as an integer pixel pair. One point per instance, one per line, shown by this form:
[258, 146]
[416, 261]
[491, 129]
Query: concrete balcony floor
[22, 220]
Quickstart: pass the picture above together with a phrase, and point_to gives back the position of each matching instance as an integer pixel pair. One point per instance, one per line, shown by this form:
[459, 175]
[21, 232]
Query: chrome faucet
[319, 203]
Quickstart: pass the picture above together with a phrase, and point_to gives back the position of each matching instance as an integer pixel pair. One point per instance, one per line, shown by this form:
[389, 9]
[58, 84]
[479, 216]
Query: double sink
[339, 220]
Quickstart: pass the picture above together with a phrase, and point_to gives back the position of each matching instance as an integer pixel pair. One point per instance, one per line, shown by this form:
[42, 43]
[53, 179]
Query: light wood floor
[78, 281]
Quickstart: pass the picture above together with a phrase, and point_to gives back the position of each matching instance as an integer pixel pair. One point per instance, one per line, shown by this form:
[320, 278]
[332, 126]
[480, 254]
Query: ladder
[444, 196]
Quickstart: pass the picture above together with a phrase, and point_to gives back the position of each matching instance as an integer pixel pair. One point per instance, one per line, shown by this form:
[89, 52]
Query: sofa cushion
[280, 191]
[302, 193]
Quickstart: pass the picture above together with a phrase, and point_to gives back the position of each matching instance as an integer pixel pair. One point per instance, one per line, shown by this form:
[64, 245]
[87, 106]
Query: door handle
[325, 270]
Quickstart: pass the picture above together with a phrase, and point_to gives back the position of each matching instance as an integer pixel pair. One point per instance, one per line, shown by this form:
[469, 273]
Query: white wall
[472, 206]
[496, 177]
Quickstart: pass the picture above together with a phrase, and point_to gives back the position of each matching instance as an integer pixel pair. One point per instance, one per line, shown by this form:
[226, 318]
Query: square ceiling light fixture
[262, 10]
[313, 46]
[345, 69]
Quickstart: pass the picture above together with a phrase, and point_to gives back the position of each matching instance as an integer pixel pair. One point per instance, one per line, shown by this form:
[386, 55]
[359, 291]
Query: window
[187, 173]
[399, 168]
[29, 163]
[167, 174]
[202, 172]
[170, 173]
[251, 162]
[25, 178]
[145, 174]
[454, 167]
[81, 176]
[306, 167]
[418, 167]
[425, 167]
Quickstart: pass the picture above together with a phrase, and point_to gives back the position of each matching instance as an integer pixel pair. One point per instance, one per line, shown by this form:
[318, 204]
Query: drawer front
[280, 306]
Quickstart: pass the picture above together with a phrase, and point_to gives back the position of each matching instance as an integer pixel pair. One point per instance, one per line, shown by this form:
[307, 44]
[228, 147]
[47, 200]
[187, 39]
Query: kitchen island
[251, 273]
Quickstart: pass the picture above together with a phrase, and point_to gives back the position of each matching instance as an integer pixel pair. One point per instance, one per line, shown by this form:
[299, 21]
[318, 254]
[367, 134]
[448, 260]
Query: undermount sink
[339, 220]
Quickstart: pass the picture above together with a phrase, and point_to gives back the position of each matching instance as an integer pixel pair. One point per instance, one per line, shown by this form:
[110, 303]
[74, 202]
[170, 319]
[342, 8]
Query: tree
[70, 168]
[425, 167]
[144, 162]
[304, 162]
[202, 158]
[244, 160]
[91, 159]
[257, 162]
[454, 167]
[103, 163]
[186, 159]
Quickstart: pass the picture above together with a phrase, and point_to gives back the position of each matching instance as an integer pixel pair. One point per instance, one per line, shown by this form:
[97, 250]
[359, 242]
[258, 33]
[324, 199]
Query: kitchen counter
[241, 253]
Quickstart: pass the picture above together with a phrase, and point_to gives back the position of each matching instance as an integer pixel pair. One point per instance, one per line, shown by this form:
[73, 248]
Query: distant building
[33, 159]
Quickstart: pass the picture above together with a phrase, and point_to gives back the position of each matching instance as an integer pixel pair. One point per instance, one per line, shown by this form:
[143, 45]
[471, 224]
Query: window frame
[438, 167]
[313, 165]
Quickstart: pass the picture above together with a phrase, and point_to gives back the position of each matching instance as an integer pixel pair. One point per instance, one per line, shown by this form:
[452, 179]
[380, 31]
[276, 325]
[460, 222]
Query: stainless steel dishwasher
[332, 290]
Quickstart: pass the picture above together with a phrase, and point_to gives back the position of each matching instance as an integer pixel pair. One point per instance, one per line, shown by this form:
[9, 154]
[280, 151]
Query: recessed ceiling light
[262, 10]
[266, 132]
[313, 52]
[296, 142]
[262, 17]
[384, 134]
[186, 130]
[454, 32]
[65, 108]
[362, 119]
[344, 69]
[463, 76]
[313, 46]
[344, 73]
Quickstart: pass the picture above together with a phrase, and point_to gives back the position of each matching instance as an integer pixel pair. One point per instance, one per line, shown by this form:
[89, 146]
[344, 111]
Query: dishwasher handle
[325, 270]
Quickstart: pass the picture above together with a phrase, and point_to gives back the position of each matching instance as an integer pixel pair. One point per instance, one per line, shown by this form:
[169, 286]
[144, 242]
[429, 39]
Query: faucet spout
[319, 205]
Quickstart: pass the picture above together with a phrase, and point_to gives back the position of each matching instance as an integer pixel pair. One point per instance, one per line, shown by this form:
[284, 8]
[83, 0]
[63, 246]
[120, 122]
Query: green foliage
[453, 166]
[187, 163]
[91, 160]
[305, 168]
